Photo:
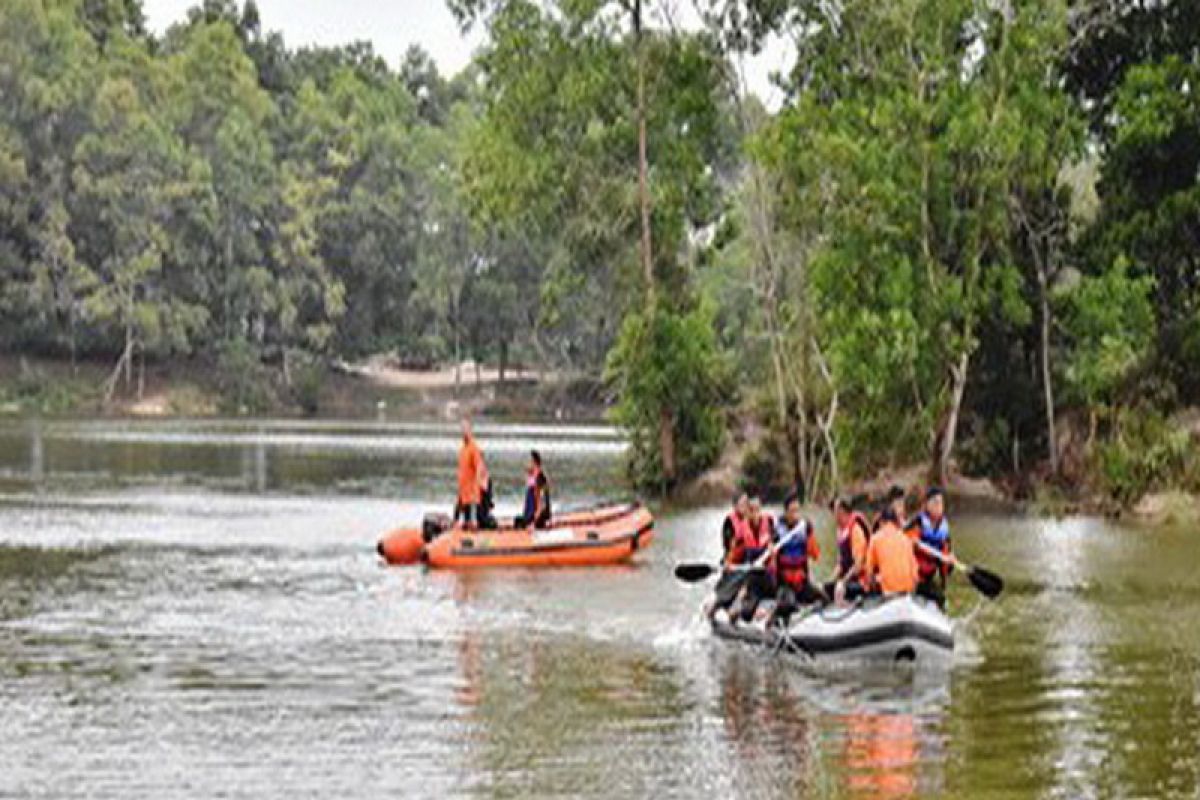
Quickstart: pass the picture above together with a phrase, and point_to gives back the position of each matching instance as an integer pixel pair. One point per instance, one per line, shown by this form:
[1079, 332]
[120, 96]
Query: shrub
[667, 362]
[308, 379]
[244, 381]
[1144, 452]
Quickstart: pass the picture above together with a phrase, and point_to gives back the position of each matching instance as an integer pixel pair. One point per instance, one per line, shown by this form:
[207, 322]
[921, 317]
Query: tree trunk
[945, 442]
[1047, 379]
[110, 386]
[141, 392]
[503, 359]
[457, 354]
[666, 422]
[643, 169]
[128, 357]
[666, 445]
[71, 335]
[826, 423]
[226, 269]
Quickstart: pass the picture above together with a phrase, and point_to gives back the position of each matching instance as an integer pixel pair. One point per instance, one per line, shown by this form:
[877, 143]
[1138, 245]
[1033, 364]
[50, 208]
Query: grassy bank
[240, 387]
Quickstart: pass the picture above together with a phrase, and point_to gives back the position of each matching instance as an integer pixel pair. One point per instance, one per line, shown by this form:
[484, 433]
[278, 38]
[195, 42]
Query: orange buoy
[402, 546]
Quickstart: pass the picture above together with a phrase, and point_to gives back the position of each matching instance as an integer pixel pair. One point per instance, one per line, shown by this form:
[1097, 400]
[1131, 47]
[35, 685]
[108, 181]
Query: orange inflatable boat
[601, 535]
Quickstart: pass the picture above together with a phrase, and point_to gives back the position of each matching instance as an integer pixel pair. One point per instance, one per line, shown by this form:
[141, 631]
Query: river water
[197, 610]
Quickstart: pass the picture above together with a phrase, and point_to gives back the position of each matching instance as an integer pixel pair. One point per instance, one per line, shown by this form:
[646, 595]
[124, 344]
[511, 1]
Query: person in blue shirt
[537, 495]
[931, 529]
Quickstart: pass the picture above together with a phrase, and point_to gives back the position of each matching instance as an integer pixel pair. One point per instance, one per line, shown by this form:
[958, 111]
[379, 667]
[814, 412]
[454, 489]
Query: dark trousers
[789, 598]
[542, 521]
[468, 512]
[933, 588]
[854, 590]
[759, 586]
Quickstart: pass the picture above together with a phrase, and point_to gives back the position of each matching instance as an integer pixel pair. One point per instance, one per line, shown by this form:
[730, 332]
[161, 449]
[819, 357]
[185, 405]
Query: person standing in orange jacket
[471, 470]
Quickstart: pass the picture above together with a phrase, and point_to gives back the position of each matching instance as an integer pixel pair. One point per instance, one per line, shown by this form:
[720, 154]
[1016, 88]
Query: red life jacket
[845, 541]
[750, 542]
[791, 560]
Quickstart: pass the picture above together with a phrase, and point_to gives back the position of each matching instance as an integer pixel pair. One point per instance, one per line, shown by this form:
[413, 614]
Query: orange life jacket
[845, 541]
[750, 542]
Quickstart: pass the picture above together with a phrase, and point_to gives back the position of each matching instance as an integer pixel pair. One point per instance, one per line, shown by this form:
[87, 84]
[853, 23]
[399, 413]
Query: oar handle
[940, 556]
[772, 549]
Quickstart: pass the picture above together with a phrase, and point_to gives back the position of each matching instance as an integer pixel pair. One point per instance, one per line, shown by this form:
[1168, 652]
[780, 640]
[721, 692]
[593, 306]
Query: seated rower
[729, 526]
[486, 519]
[895, 500]
[537, 495]
[891, 567]
[796, 545]
[853, 536]
[931, 529]
[751, 538]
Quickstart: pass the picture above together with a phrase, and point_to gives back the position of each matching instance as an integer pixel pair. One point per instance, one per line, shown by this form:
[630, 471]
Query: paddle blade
[988, 583]
[694, 573]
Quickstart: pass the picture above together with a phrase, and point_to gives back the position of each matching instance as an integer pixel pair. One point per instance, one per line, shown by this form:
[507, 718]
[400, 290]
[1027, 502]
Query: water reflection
[254, 465]
[880, 755]
[37, 454]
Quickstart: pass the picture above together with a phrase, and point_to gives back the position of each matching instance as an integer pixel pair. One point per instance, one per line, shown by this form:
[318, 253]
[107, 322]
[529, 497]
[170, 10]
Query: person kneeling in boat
[487, 504]
[751, 537]
[853, 536]
[929, 528]
[796, 545]
[891, 566]
[537, 495]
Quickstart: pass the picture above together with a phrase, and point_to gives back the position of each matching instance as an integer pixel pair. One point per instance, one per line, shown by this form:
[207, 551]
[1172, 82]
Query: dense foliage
[214, 193]
[967, 239]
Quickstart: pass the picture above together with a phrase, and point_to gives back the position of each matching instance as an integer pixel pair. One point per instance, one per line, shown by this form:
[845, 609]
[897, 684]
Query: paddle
[695, 572]
[986, 582]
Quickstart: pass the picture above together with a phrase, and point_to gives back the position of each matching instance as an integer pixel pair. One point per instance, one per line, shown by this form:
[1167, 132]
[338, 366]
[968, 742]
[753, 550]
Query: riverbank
[382, 389]
[1077, 492]
[376, 388]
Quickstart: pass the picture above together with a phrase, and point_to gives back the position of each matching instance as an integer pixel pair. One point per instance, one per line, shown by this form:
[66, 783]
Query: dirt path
[380, 371]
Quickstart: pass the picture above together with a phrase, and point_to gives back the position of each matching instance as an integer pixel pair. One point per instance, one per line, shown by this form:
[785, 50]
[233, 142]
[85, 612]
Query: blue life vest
[936, 537]
[791, 559]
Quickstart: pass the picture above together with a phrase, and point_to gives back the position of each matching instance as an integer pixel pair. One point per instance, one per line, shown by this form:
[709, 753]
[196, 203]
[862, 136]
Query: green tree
[667, 360]
[1109, 322]
[903, 158]
[600, 134]
[133, 177]
[47, 83]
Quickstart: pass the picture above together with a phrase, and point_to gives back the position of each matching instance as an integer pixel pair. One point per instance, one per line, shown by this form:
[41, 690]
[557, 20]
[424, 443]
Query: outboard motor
[434, 525]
